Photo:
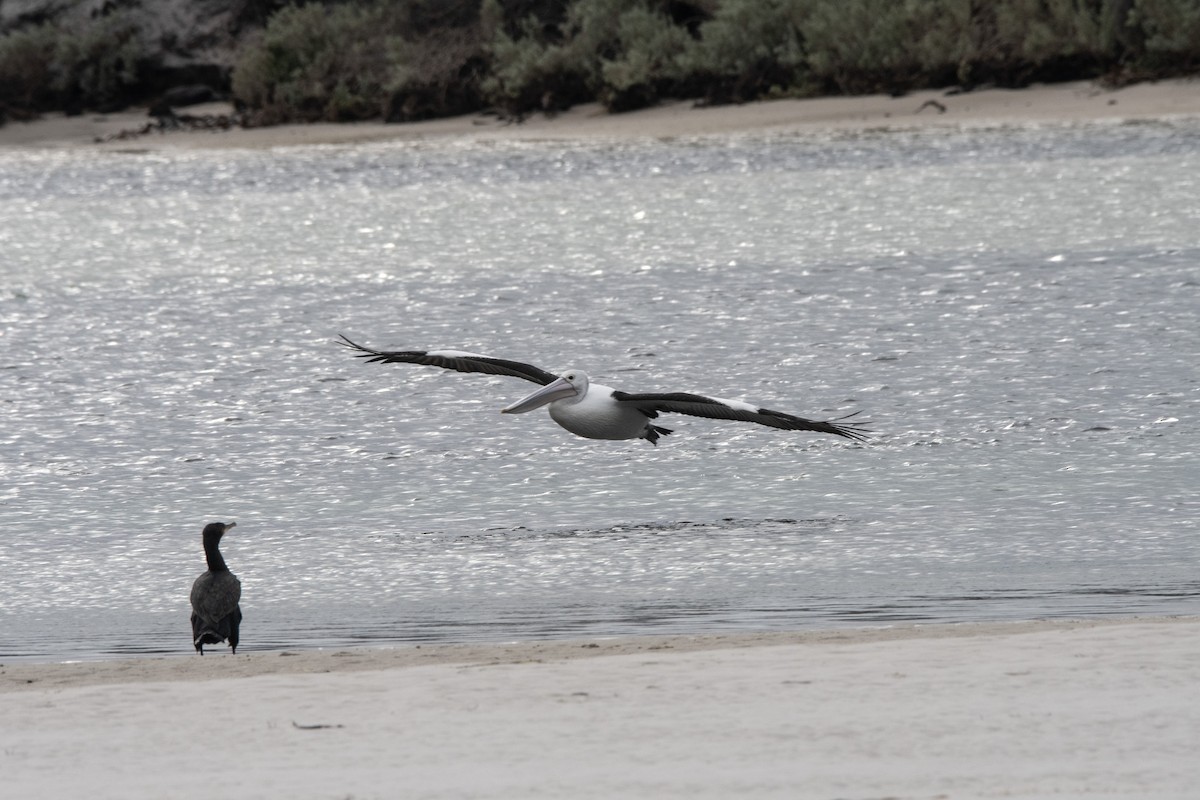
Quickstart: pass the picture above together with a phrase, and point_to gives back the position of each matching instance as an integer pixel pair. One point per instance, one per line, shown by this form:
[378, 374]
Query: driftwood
[167, 121]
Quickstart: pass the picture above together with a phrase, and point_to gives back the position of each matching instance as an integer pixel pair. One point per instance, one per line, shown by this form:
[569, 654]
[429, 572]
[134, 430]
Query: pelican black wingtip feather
[372, 356]
[855, 431]
[457, 360]
[345, 341]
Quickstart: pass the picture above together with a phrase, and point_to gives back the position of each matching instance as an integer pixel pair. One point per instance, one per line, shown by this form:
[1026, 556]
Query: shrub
[102, 65]
[1169, 35]
[316, 63]
[748, 49]
[647, 62]
[528, 73]
[875, 45]
[351, 62]
[1054, 39]
[862, 46]
[435, 75]
[950, 50]
[26, 72]
[622, 52]
[337, 60]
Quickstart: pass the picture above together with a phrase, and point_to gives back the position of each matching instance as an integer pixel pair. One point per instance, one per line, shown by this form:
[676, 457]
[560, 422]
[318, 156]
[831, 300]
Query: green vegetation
[337, 61]
[317, 64]
[627, 53]
[748, 50]
[99, 66]
[352, 62]
[1167, 35]
[622, 52]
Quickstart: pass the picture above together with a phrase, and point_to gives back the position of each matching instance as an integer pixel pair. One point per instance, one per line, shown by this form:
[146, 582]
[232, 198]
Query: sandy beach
[1099, 708]
[1104, 709]
[1057, 103]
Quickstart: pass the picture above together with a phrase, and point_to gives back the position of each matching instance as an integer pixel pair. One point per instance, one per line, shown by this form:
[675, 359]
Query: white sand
[1031, 710]
[1057, 103]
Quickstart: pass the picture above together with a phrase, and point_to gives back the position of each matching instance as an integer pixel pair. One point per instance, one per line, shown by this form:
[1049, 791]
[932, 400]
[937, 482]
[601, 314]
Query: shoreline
[1065, 103]
[1096, 708]
[220, 664]
[1074, 708]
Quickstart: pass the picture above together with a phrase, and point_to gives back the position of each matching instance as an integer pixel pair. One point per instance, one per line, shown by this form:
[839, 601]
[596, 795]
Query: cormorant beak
[229, 525]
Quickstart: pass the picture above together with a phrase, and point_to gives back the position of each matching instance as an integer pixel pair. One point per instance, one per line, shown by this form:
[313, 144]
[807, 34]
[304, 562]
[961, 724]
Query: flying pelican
[216, 615]
[600, 412]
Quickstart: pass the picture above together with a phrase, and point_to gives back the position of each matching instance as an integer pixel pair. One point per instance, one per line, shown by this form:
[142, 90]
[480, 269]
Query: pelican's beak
[547, 394]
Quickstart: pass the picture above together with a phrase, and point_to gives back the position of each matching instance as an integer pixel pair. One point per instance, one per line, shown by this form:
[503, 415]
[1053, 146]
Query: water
[1015, 311]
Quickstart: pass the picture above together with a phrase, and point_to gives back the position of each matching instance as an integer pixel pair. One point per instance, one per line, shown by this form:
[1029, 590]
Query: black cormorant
[216, 616]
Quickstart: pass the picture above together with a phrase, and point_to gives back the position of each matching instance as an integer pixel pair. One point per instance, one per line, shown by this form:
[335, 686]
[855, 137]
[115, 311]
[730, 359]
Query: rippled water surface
[1017, 313]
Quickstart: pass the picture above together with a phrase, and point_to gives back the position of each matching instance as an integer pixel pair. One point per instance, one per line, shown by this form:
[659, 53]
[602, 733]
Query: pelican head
[572, 384]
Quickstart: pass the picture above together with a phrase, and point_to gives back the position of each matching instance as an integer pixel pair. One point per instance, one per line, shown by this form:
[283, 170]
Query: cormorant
[215, 594]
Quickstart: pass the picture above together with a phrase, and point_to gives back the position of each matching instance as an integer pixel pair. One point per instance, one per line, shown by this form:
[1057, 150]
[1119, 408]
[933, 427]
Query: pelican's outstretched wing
[715, 408]
[455, 360]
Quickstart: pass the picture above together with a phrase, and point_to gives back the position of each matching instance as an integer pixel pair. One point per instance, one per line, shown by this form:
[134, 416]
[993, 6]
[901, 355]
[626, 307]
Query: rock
[190, 95]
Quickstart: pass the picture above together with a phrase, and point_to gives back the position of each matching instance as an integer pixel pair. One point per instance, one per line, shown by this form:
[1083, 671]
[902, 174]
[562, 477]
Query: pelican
[594, 411]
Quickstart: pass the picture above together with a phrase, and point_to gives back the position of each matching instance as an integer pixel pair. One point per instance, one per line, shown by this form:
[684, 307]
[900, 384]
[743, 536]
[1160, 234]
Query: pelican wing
[715, 408]
[456, 360]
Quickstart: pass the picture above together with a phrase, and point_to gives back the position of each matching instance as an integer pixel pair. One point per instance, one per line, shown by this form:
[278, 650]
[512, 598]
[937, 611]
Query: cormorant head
[215, 530]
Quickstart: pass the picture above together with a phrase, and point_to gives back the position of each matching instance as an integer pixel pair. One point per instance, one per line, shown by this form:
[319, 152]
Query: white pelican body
[594, 411]
[587, 409]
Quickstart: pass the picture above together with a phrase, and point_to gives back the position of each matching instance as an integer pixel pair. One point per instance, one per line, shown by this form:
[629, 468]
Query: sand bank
[1033, 710]
[1057, 103]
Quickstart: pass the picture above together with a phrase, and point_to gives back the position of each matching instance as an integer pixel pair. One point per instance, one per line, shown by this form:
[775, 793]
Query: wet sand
[1031, 710]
